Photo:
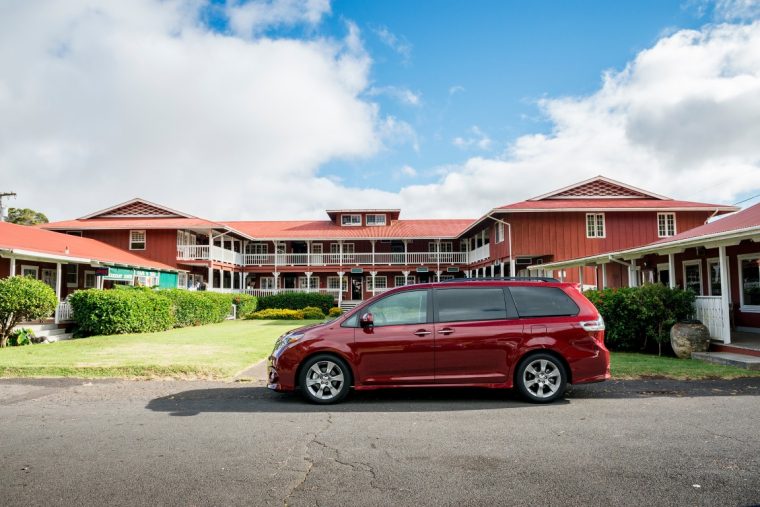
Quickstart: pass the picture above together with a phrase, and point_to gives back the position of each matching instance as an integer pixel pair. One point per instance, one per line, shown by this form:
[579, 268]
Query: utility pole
[4, 195]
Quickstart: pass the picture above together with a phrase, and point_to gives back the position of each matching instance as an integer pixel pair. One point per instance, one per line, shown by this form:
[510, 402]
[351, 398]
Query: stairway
[51, 332]
[349, 305]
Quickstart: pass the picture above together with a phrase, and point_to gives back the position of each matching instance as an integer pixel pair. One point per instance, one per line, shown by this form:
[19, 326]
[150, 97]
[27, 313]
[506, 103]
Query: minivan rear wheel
[324, 379]
[541, 378]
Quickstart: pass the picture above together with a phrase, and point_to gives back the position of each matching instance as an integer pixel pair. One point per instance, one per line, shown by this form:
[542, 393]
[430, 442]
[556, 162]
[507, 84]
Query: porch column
[438, 276]
[672, 271]
[210, 279]
[340, 284]
[501, 270]
[406, 276]
[373, 274]
[242, 281]
[725, 296]
[372, 242]
[604, 275]
[13, 266]
[580, 276]
[632, 274]
[276, 282]
[561, 275]
[438, 256]
[406, 257]
[221, 276]
[512, 267]
[308, 280]
[308, 254]
[58, 271]
[340, 252]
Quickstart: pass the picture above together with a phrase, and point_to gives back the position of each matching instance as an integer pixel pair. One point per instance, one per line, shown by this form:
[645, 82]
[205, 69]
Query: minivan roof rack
[505, 279]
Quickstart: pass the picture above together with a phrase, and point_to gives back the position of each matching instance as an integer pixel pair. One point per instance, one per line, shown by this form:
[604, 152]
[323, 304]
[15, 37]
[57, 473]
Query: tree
[22, 299]
[26, 216]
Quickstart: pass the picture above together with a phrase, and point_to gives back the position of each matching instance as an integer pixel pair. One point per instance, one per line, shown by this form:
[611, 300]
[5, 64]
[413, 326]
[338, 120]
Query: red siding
[160, 245]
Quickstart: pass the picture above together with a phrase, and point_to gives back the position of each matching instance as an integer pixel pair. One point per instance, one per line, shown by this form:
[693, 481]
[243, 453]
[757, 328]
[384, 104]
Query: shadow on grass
[260, 399]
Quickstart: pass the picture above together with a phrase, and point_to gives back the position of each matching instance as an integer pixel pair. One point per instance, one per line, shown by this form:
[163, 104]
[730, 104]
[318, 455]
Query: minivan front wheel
[324, 379]
[541, 378]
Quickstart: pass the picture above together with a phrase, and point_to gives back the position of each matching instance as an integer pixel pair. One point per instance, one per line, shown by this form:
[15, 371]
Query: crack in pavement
[307, 458]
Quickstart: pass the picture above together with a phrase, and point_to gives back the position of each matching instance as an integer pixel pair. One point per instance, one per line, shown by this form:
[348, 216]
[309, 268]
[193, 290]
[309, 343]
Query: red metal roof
[745, 219]
[20, 238]
[132, 223]
[612, 204]
[324, 229]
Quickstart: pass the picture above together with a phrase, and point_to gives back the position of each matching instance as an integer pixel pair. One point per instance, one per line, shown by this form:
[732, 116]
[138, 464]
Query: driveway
[74, 442]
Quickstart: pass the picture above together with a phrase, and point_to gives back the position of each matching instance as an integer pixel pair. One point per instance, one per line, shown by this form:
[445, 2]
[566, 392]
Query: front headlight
[291, 338]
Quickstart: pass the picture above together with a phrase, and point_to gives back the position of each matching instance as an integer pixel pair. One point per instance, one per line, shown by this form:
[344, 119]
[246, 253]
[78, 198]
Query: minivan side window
[543, 302]
[460, 304]
[408, 307]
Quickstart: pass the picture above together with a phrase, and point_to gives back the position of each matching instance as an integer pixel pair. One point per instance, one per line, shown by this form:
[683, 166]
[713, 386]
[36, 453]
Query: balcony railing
[64, 312]
[709, 310]
[206, 252]
[480, 253]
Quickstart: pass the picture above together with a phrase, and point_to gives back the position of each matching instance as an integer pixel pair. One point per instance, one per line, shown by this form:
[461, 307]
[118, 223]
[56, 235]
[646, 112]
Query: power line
[747, 199]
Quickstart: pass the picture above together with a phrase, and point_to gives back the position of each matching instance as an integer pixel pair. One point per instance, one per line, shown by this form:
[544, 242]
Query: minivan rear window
[456, 305]
[543, 302]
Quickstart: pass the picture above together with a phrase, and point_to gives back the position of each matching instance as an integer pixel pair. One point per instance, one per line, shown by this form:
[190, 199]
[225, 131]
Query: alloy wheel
[325, 380]
[542, 378]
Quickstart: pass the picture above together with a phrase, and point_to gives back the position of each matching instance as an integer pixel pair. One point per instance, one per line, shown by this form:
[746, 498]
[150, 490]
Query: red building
[355, 253]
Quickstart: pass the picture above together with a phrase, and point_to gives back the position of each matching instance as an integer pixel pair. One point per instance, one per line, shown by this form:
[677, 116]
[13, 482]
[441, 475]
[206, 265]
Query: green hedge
[335, 311]
[198, 308]
[23, 298]
[297, 301]
[277, 314]
[312, 312]
[637, 318]
[245, 303]
[104, 312]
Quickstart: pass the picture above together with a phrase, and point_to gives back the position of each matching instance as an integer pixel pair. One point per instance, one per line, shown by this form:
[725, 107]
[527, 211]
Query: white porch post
[725, 294]
[604, 275]
[501, 270]
[438, 276]
[372, 242]
[276, 281]
[308, 254]
[242, 280]
[580, 276]
[562, 275]
[340, 285]
[13, 266]
[210, 284]
[406, 276]
[438, 257]
[406, 257]
[340, 252]
[632, 274]
[221, 275]
[671, 271]
[58, 272]
[373, 274]
[308, 280]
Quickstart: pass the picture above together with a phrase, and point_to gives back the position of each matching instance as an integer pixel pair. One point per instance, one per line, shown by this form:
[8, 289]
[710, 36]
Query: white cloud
[398, 132]
[478, 139]
[251, 17]
[737, 9]
[399, 44]
[453, 90]
[682, 119]
[401, 94]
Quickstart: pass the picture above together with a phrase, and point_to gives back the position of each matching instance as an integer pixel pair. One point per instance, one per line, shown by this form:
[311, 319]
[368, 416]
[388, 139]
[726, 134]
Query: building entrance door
[356, 288]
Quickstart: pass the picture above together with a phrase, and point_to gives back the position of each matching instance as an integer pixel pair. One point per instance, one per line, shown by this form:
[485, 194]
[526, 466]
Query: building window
[71, 275]
[666, 224]
[181, 280]
[713, 272]
[398, 281]
[445, 246]
[350, 220]
[91, 280]
[595, 225]
[32, 271]
[313, 282]
[376, 219]
[692, 276]
[258, 248]
[137, 240]
[381, 282]
[267, 282]
[499, 232]
[749, 282]
[334, 281]
[445, 278]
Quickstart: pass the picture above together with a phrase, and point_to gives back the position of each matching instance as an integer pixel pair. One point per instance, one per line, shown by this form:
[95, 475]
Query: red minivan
[536, 334]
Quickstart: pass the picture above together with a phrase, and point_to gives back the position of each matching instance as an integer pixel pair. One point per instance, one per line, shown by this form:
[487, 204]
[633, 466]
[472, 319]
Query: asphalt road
[69, 442]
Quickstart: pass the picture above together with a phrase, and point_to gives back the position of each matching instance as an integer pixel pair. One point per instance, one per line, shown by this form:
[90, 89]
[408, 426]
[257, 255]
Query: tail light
[595, 328]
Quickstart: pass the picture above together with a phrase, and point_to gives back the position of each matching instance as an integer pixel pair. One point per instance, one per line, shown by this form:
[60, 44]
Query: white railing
[269, 292]
[480, 253]
[357, 259]
[233, 313]
[64, 312]
[709, 310]
[205, 253]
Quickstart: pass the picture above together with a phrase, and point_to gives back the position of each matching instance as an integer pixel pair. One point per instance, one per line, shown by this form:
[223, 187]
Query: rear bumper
[596, 369]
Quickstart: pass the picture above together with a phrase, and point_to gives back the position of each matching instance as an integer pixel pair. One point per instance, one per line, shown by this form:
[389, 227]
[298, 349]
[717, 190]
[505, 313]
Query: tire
[541, 378]
[324, 379]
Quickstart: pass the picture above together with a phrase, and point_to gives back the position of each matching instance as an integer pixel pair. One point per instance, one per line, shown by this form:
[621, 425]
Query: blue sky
[280, 109]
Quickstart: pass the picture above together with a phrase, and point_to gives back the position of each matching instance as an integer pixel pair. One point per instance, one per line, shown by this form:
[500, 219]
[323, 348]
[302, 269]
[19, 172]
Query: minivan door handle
[445, 331]
[422, 332]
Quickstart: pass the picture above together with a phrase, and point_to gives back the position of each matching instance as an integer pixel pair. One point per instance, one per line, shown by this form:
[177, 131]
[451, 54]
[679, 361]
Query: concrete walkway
[256, 372]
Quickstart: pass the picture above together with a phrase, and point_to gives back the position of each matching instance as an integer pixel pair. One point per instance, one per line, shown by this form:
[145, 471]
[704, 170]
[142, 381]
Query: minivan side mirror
[367, 320]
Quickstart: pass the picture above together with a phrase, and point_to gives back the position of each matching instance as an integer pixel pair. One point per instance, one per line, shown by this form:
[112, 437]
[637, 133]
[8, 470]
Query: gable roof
[137, 207]
[35, 242]
[599, 187]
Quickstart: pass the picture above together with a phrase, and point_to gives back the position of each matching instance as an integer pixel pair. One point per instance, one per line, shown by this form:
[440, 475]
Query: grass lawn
[629, 365]
[213, 351]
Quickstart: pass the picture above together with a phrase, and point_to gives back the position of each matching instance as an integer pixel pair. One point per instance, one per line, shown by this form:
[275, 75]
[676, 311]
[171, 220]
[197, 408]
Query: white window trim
[84, 282]
[350, 251]
[499, 232]
[596, 225]
[313, 281]
[335, 280]
[376, 224]
[710, 262]
[270, 282]
[182, 279]
[65, 275]
[353, 215]
[742, 306]
[370, 285]
[445, 246]
[410, 280]
[36, 270]
[698, 263]
[144, 241]
[675, 225]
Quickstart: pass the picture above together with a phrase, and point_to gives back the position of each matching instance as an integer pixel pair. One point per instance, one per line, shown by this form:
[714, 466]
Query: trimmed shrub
[277, 314]
[637, 317]
[21, 299]
[246, 304]
[335, 311]
[198, 308]
[312, 312]
[21, 337]
[297, 301]
[105, 312]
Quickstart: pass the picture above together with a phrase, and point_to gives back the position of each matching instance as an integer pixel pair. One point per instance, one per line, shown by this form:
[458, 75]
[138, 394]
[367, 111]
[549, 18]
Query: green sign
[120, 274]
[422, 270]
[357, 271]
[452, 270]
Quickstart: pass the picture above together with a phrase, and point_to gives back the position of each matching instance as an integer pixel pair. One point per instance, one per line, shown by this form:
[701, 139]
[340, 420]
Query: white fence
[709, 310]
[63, 312]
[205, 253]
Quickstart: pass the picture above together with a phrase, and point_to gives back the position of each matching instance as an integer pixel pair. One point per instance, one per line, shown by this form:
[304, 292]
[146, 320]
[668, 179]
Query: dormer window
[376, 219]
[350, 220]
